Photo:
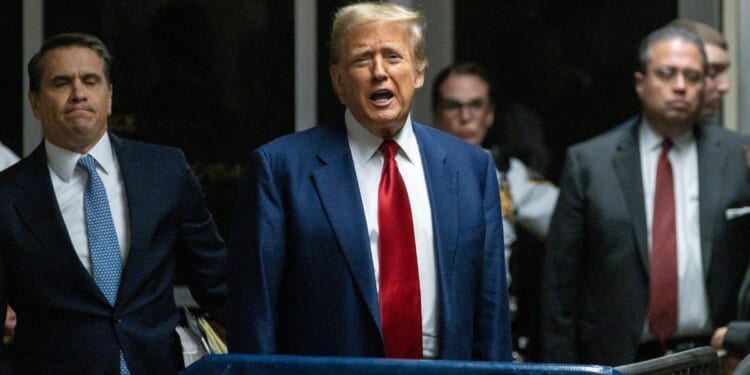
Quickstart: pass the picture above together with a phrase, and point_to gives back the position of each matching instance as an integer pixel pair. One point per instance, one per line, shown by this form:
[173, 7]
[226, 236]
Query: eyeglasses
[667, 74]
[454, 107]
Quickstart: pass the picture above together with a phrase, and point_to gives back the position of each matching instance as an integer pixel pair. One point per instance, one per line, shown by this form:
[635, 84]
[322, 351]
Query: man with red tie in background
[639, 262]
[377, 236]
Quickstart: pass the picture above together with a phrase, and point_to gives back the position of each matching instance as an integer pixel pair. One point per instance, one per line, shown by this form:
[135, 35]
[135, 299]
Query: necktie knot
[666, 145]
[389, 148]
[88, 163]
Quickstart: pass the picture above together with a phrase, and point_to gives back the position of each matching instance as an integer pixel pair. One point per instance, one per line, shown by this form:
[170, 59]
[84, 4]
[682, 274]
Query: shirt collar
[63, 162]
[364, 144]
[653, 141]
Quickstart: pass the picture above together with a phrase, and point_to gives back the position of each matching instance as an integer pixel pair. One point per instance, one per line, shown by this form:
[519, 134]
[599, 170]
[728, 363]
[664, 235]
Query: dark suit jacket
[65, 325]
[301, 277]
[737, 337]
[596, 277]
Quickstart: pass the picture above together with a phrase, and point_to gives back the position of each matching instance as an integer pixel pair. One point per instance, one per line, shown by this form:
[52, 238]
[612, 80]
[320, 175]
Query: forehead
[463, 85]
[374, 34]
[716, 54]
[676, 52]
[69, 60]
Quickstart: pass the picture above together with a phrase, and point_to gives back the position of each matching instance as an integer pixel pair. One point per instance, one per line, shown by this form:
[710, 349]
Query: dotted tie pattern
[106, 261]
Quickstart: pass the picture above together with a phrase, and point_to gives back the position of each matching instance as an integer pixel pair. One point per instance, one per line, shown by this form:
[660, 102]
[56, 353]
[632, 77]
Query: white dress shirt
[368, 165]
[7, 157]
[693, 314]
[69, 181]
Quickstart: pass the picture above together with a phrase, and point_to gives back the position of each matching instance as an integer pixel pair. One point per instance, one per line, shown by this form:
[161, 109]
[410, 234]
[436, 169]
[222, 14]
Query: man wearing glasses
[646, 245]
[462, 105]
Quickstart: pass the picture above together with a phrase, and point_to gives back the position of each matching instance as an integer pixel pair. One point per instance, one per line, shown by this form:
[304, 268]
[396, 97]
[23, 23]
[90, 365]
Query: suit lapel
[139, 192]
[336, 184]
[627, 165]
[41, 213]
[442, 187]
[711, 164]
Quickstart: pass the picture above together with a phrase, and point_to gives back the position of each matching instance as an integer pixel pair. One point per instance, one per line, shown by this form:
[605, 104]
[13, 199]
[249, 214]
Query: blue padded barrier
[241, 364]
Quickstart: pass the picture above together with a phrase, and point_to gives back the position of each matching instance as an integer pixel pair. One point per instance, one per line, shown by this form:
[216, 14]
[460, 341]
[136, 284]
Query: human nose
[679, 83]
[465, 112]
[78, 92]
[378, 69]
[722, 83]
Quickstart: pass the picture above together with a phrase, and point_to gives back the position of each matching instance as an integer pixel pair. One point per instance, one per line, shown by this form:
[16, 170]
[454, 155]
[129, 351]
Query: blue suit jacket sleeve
[256, 256]
[492, 337]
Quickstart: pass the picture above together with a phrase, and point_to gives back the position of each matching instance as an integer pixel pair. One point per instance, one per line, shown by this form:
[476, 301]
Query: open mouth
[381, 97]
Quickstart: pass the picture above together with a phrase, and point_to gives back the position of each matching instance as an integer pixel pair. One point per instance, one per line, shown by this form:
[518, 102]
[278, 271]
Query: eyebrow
[366, 49]
[70, 77]
[473, 99]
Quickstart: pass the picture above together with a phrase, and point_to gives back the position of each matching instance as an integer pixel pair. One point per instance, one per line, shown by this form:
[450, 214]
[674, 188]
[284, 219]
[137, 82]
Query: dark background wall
[11, 80]
[216, 78]
[212, 78]
[563, 70]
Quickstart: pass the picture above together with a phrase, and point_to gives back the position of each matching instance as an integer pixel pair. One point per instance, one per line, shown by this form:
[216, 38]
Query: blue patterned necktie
[106, 260]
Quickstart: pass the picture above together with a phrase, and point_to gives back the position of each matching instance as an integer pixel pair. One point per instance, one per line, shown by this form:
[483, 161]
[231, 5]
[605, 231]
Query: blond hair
[359, 14]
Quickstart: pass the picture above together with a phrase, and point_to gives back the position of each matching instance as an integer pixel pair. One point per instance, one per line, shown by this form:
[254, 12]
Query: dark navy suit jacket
[301, 276]
[65, 324]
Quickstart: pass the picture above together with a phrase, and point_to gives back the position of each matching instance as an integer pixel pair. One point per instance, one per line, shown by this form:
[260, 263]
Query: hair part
[351, 16]
[669, 33]
[708, 34]
[35, 66]
[466, 68]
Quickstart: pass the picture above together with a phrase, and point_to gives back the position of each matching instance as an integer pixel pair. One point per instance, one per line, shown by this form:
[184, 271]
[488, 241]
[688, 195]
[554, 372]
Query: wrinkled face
[671, 89]
[717, 82]
[376, 76]
[74, 98]
[464, 108]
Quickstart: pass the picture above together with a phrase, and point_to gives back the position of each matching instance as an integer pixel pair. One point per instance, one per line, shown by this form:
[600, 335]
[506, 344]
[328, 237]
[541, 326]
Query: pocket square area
[732, 213]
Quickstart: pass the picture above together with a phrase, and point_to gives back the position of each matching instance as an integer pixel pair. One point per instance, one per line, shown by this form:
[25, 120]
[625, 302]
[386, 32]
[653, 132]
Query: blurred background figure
[642, 256]
[735, 338]
[717, 81]
[462, 104]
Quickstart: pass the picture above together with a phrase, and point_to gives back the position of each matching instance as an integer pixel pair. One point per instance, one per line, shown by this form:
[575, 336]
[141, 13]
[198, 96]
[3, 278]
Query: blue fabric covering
[231, 364]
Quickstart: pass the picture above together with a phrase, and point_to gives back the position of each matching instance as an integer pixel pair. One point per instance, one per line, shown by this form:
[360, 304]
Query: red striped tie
[400, 303]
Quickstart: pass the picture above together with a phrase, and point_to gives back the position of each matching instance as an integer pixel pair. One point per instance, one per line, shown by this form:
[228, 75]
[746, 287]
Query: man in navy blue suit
[310, 270]
[77, 313]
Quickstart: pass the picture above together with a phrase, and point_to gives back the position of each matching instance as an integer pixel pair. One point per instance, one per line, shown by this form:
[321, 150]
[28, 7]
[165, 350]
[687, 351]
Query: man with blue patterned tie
[92, 228]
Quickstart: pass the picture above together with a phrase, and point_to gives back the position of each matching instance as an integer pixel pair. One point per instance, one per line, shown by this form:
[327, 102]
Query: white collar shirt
[368, 165]
[693, 314]
[69, 183]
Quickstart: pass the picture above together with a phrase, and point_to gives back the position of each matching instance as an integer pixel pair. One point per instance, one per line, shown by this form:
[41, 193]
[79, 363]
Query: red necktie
[662, 307]
[400, 303]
